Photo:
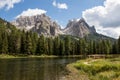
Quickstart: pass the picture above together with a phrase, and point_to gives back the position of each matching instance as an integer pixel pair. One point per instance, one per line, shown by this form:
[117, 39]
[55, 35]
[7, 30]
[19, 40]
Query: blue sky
[75, 8]
[103, 14]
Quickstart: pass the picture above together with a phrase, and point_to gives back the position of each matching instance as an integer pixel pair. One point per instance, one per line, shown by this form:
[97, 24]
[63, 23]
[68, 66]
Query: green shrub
[100, 69]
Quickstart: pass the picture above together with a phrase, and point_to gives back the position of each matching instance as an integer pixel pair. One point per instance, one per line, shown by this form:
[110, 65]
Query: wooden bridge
[96, 56]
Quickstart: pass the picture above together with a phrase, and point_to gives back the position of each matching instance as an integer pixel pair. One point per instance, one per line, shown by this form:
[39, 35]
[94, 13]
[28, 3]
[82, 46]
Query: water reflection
[33, 69]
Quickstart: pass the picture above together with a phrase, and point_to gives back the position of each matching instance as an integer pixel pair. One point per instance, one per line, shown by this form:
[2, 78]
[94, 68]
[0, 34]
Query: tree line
[14, 41]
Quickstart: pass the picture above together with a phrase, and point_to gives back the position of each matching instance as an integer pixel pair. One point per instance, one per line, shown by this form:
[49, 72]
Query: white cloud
[106, 17]
[54, 3]
[112, 32]
[8, 4]
[60, 5]
[32, 12]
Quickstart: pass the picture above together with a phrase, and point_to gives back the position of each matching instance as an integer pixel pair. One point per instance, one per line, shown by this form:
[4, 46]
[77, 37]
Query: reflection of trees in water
[51, 69]
[32, 69]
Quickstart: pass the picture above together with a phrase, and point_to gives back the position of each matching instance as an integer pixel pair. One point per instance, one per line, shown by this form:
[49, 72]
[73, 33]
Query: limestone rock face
[41, 24]
[78, 28]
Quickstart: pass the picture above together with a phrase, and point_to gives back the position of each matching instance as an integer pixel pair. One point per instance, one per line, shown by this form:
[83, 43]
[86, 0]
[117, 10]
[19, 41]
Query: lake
[34, 68]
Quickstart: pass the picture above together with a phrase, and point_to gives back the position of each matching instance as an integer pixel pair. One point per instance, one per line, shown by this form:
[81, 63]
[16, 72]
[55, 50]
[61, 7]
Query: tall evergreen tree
[91, 47]
[94, 47]
[115, 48]
[62, 48]
[74, 48]
[80, 48]
[14, 41]
[41, 45]
[34, 38]
[119, 45]
[50, 46]
[109, 46]
[4, 46]
[56, 46]
[23, 42]
[67, 45]
[0, 42]
[28, 44]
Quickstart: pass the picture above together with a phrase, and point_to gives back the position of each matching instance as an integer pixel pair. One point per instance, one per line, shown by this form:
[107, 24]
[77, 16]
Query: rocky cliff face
[78, 28]
[41, 24]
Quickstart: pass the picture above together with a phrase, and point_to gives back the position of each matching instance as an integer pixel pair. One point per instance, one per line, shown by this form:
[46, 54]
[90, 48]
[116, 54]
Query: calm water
[34, 68]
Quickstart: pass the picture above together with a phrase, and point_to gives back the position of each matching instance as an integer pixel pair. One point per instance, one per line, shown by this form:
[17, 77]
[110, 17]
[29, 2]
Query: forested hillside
[14, 41]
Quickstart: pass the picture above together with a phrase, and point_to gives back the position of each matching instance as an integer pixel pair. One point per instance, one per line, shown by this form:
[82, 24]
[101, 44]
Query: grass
[7, 56]
[99, 69]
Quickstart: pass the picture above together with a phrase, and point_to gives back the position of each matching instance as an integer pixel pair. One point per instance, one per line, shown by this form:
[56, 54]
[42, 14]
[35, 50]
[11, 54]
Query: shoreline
[8, 56]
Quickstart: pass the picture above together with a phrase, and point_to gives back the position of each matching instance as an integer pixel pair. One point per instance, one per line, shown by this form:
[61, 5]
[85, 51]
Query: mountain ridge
[79, 28]
[43, 24]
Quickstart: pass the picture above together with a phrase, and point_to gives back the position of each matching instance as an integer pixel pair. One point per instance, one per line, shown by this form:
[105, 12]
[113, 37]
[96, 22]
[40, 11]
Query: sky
[103, 14]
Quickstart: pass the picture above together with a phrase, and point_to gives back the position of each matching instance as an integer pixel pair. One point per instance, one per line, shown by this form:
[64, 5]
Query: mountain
[41, 24]
[79, 28]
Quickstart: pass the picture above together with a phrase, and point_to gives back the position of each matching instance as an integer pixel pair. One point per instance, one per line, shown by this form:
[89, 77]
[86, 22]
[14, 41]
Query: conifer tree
[91, 47]
[57, 46]
[28, 44]
[115, 48]
[23, 42]
[94, 47]
[62, 48]
[74, 48]
[4, 46]
[119, 45]
[34, 38]
[67, 45]
[50, 46]
[41, 45]
[0, 42]
[80, 49]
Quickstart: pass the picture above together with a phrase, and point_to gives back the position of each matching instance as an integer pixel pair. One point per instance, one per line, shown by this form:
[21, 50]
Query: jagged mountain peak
[77, 20]
[27, 21]
[82, 20]
[42, 24]
[79, 28]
